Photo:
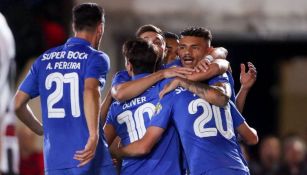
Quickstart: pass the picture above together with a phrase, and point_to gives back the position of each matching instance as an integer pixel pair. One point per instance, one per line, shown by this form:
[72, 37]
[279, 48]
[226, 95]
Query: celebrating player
[67, 79]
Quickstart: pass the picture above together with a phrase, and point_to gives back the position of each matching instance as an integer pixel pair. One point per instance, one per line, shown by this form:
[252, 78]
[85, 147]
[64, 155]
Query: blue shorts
[228, 171]
[106, 170]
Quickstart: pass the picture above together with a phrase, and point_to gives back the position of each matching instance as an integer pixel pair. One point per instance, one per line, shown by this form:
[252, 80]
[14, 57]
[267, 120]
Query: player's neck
[90, 37]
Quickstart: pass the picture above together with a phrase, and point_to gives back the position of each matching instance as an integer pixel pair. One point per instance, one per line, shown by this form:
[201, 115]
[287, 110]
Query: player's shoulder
[223, 78]
[122, 73]
[101, 56]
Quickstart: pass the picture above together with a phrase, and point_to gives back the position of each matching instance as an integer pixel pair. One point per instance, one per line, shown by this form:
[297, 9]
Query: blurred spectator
[294, 150]
[269, 157]
[31, 156]
[9, 158]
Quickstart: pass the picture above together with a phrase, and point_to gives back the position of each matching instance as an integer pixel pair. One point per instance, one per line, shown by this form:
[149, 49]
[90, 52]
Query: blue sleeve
[30, 83]
[163, 112]
[98, 67]
[219, 79]
[232, 85]
[164, 82]
[237, 118]
[120, 77]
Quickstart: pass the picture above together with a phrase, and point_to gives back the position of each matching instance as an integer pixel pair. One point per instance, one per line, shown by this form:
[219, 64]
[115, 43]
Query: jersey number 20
[211, 112]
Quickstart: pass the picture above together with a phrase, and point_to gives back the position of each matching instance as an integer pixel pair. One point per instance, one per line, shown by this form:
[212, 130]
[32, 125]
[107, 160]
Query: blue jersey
[58, 77]
[206, 131]
[130, 120]
[232, 85]
[175, 63]
[123, 76]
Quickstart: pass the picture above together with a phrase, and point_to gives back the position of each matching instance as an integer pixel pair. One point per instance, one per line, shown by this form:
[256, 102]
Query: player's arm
[91, 109]
[130, 89]
[248, 134]
[106, 103]
[247, 80]
[213, 54]
[217, 67]
[144, 145]
[25, 114]
[218, 52]
[217, 94]
[110, 133]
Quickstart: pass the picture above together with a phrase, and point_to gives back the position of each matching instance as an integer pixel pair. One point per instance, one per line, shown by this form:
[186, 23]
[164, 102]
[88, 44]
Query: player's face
[171, 45]
[191, 50]
[157, 40]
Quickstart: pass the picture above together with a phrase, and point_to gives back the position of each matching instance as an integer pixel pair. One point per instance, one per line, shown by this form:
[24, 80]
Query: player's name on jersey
[179, 89]
[63, 65]
[135, 101]
[64, 54]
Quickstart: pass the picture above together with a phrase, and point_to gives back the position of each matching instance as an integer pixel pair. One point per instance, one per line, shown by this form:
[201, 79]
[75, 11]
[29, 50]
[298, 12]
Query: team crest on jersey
[158, 108]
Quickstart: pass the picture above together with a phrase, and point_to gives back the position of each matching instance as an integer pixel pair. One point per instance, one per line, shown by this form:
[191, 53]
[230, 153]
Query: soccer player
[9, 149]
[67, 79]
[129, 119]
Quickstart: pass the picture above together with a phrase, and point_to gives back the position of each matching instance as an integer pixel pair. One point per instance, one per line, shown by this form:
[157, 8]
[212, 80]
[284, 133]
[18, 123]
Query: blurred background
[272, 34]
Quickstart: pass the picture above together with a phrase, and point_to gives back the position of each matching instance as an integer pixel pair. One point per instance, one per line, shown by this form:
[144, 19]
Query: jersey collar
[75, 40]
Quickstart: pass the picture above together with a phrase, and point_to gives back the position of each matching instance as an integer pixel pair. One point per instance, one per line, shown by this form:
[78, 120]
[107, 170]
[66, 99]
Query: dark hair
[87, 16]
[197, 32]
[170, 35]
[148, 28]
[141, 56]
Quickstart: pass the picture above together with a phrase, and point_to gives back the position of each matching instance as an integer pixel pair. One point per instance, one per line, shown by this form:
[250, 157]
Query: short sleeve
[237, 118]
[163, 112]
[219, 79]
[120, 77]
[97, 67]
[30, 83]
[232, 84]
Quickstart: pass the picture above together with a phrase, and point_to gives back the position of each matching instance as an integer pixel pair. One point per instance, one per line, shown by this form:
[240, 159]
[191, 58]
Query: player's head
[172, 41]
[194, 44]
[153, 35]
[89, 17]
[140, 56]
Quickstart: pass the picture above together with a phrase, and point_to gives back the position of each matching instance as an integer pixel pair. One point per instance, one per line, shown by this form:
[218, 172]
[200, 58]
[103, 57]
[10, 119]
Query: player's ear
[128, 66]
[100, 29]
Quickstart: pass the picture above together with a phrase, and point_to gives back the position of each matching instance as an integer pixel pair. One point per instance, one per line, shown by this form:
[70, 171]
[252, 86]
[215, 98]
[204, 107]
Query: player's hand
[177, 72]
[169, 87]
[203, 65]
[247, 79]
[86, 155]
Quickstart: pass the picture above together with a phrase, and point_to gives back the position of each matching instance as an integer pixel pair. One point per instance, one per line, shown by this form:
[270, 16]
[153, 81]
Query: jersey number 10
[135, 125]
